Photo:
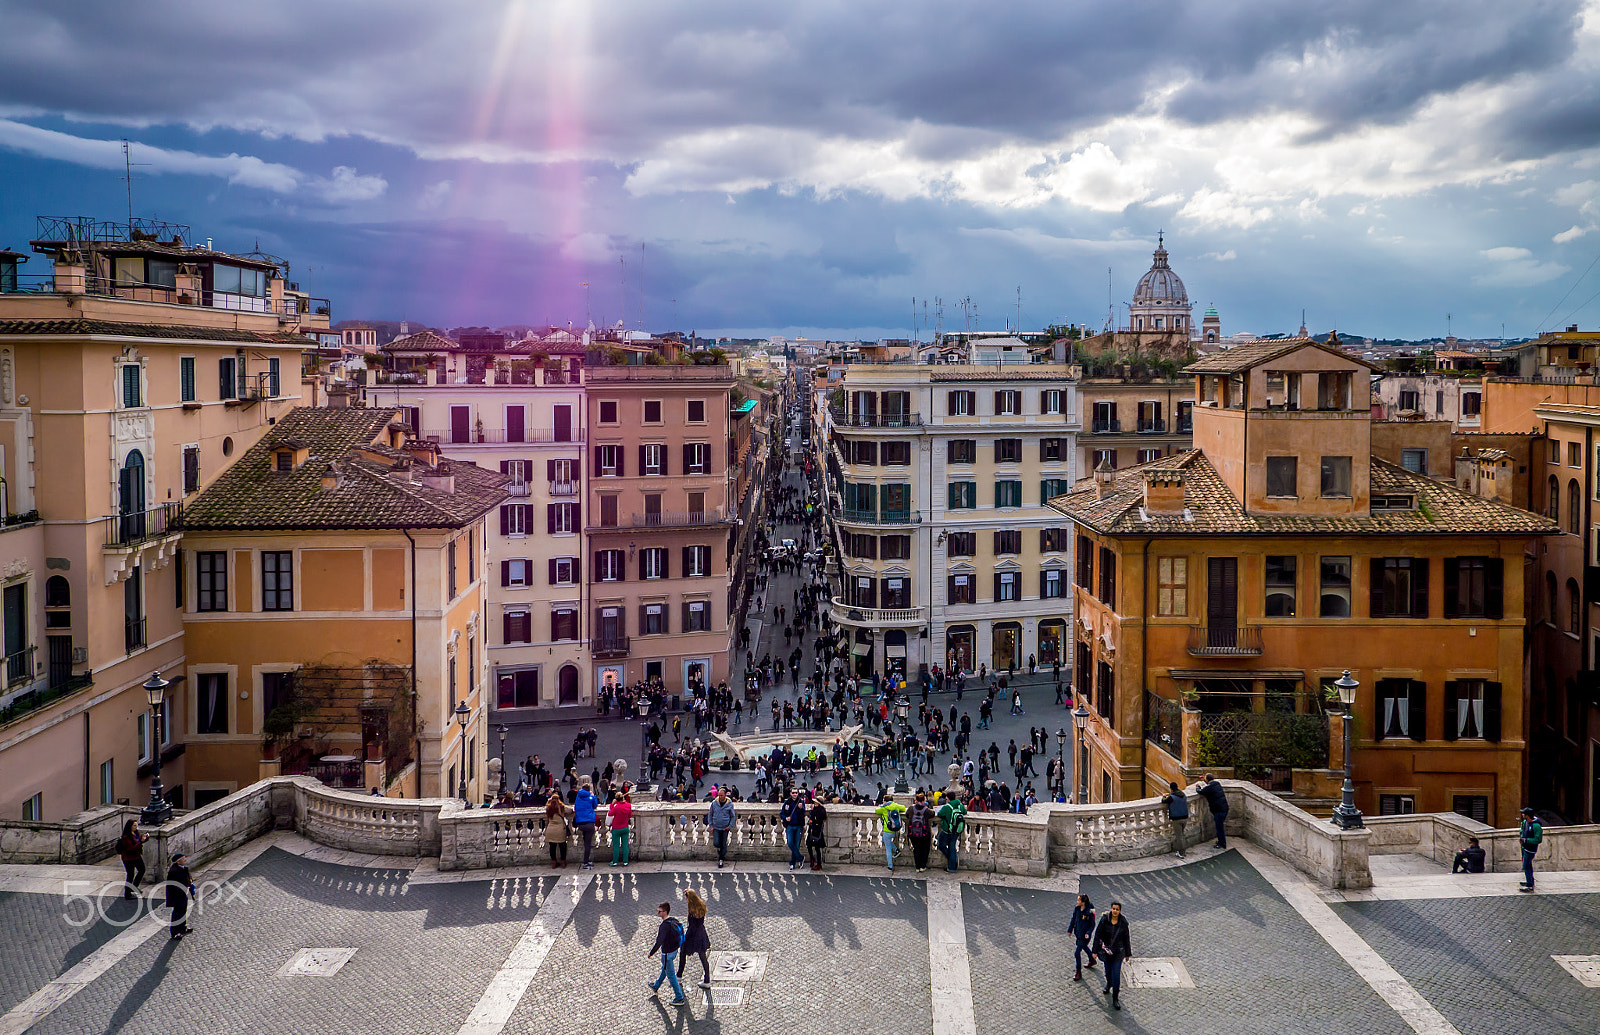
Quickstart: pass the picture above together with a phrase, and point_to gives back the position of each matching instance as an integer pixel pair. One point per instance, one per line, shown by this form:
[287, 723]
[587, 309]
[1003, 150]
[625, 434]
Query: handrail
[133, 528]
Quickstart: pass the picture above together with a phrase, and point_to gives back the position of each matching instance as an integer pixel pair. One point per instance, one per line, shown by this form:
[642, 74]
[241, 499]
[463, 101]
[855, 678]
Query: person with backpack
[919, 827]
[1111, 943]
[1529, 835]
[890, 818]
[1081, 927]
[1217, 798]
[952, 824]
[583, 810]
[1177, 804]
[669, 937]
[816, 832]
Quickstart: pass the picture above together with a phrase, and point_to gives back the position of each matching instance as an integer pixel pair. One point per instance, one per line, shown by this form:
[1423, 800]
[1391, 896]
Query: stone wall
[1440, 835]
[86, 837]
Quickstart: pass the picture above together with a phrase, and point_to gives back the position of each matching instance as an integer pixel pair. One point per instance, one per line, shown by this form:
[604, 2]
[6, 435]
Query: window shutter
[685, 616]
[508, 628]
[642, 467]
[1379, 720]
[552, 571]
[1452, 709]
[1493, 595]
[505, 573]
[950, 403]
[550, 517]
[1417, 702]
[505, 467]
[666, 563]
[505, 520]
[872, 498]
[1491, 709]
[997, 585]
[687, 558]
[1452, 594]
[1113, 411]
[688, 457]
[664, 472]
[1376, 586]
[550, 470]
[955, 496]
[597, 459]
[1419, 588]
[622, 463]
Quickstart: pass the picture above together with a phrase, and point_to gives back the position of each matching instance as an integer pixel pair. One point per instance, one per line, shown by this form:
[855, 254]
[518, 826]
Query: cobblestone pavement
[53, 946]
[1485, 963]
[1256, 965]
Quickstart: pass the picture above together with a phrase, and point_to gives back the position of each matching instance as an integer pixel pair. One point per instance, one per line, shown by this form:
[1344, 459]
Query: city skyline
[811, 172]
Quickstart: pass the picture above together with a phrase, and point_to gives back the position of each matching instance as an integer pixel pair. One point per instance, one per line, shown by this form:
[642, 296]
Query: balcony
[516, 488]
[1224, 641]
[1185, 426]
[610, 647]
[19, 667]
[563, 488]
[343, 775]
[1152, 427]
[1106, 427]
[875, 420]
[129, 530]
[678, 519]
[498, 436]
[850, 614]
[33, 700]
[885, 517]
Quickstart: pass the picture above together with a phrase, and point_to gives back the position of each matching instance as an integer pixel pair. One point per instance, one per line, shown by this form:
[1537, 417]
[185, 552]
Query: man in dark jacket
[1217, 799]
[669, 936]
[1082, 928]
[1111, 943]
[793, 814]
[180, 889]
[1469, 859]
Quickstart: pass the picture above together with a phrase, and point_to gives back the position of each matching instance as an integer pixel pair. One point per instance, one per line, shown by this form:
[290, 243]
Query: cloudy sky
[811, 168]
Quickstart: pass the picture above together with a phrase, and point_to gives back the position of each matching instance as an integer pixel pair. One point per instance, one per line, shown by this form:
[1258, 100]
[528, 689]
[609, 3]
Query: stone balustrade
[1440, 835]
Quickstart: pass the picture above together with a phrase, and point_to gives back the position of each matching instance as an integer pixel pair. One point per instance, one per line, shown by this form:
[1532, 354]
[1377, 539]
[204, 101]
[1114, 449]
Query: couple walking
[674, 941]
[1106, 940]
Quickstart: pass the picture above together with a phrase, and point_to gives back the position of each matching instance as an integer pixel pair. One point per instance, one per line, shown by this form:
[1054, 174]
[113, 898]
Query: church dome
[1161, 284]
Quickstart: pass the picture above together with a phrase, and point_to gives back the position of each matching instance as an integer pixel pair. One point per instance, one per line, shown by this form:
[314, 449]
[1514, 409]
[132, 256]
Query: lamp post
[1080, 719]
[463, 713]
[159, 810]
[1061, 757]
[1345, 814]
[502, 730]
[901, 710]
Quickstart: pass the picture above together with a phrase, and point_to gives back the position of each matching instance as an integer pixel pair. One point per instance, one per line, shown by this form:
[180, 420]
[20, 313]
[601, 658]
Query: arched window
[1574, 507]
[1574, 605]
[1554, 513]
[567, 685]
[57, 592]
[130, 496]
[1551, 613]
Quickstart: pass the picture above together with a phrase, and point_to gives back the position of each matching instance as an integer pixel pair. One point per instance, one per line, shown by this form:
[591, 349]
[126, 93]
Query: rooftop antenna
[1019, 308]
[641, 285]
[127, 177]
[586, 317]
[1111, 303]
[1449, 319]
[624, 262]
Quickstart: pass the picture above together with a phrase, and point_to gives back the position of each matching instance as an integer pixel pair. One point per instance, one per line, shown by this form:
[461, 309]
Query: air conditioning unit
[80, 655]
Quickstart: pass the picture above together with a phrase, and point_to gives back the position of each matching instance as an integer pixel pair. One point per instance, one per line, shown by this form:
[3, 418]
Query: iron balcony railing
[499, 436]
[1106, 427]
[876, 420]
[131, 529]
[19, 667]
[610, 647]
[1225, 640]
[679, 519]
[134, 634]
[1185, 425]
[884, 517]
[1152, 427]
[563, 488]
[345, 775]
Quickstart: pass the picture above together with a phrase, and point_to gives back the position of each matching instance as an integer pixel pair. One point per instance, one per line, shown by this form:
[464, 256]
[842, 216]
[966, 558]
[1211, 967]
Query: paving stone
[41, 943]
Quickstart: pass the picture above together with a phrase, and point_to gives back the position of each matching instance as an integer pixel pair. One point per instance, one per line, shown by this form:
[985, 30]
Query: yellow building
[130, 374]
[334, 605]
[1219, 592]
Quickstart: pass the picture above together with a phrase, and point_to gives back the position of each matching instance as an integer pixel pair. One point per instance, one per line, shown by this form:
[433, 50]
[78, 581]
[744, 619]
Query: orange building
[1220, 592]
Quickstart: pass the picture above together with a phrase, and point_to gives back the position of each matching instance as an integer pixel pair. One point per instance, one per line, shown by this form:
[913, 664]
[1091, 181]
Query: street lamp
[901, 710]
[159, 810]
[1080, 719]
[463, 713]
[1345, 814]
[502, 730]
[1061, 757]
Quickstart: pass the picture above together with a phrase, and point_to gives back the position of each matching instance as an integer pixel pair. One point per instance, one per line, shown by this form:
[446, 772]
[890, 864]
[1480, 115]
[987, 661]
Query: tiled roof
[1244, 357]
[1211, 508]
[422, 341]
[372, 482]
[184, 332]
[1005, 372]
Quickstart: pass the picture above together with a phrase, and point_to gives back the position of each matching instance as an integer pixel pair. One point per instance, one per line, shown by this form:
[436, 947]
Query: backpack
[677, 926]
[893, 822]
[919, 820]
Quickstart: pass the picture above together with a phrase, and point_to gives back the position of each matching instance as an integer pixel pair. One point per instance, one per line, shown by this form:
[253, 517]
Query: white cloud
[1095, 179]
[1516, 267]
[1227, 256]
[1571, 233]
[436, 194]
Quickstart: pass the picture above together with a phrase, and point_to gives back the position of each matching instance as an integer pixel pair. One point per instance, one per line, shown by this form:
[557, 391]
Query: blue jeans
[1082, 951]
[1114, 974]
[791, 836]
[668, 974]
[720, 838]
[1221, 819]
[1527, 865]
[888, 847]
[947, 845]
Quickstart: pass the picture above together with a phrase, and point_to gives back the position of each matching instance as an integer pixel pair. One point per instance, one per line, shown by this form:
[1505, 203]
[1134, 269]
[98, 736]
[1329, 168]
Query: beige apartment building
[130, 374]
[1130, 420]
[660, 523]
[937, 479]
[516, 407]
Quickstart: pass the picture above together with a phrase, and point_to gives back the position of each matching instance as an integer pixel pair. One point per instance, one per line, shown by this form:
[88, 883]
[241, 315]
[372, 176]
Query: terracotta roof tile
[1244, 357]
[182, 332]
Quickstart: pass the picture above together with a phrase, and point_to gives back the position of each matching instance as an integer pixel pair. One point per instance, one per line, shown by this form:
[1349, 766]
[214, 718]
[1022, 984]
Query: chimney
[1105, 477]
[423, 451]
[1163, 490]
[333, 477]
[435, 478]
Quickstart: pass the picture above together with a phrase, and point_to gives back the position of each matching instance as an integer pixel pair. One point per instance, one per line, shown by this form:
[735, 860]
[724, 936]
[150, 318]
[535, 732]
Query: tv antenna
[127, 176]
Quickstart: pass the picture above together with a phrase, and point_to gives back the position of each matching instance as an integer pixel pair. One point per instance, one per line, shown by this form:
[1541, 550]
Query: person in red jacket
[620, 812]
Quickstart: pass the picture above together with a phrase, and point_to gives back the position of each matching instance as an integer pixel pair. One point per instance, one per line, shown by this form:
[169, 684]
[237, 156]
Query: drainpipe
[416, 725]
[1144, 647]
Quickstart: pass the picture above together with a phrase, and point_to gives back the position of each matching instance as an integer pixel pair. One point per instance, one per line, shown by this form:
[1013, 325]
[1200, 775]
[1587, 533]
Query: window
[697, 411]
[1336, 476]
[1049, 488]
[608, 412]
[450, 570]
[1473, 806]
[1105, 418]
[1397, 804]
[653, 562]
[1108, 577]
[1471, 404]
[1334, 594]
[1280, 587]
[962, 544]
[212, 701]
[1471, 710]
[963, 495]
[1172, 586]
[862, 546]
[961, 590]
[1402, 709]
[696, 616]
[1008, 494]
[1574, 508]
[1185, 417]
[652, 411]
[108, 785]
[1147, 456]
[191, 469]
[1414, 460]
[516, 688]
[696, 561]
[1007, 585]
[1472, 587]
[1554, 511]
[272, 376]
[696, 458]
[897, 454]
[142, 734]
[1050, 450]
[1052, 400]
[652, 619]
[1052, 585]
[133, 610]
[1399, 587]
[1008, 540]
[1008, 450]
[1574, 607]
[516, 625]
[1054, 540]
[563, 571]
[564, 624]
[211, 580]
[33, 808]
[560, 518]
[861, 499]
[186, 379]
[130, 385]
[1103, 456]
[608, 510]
[277, 580]
[896, 547]
[608, 565]
[515, 571]
[1282, 475]
[961, 404]
[1105, 696]
[1409, 400]
[963, 451]
[896, 592]
[1008, 403]
[608, 461]
[1085, 563]
[865, 453]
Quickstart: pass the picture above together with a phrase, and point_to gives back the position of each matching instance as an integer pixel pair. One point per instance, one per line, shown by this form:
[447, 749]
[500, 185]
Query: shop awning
[893, 651]
[861, 648]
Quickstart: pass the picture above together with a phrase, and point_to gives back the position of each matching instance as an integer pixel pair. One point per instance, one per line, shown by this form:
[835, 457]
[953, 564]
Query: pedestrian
[1111, 944]
[890, 819]
[180, 891]
[130, 849]
[1469, 859]
[952, 824]
[721, 817]
[620, 813]
[695, 939]
[1081, 927]
[1217, 798]
[1529, 835]
[669, 938]
[1177, 804]
[556, 830]
[816, 832]
[583, 809]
